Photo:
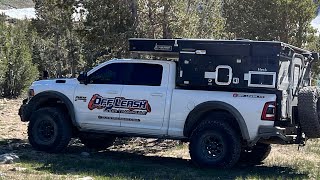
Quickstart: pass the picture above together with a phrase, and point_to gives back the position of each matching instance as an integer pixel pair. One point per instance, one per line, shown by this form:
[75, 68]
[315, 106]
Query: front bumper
[22, 111]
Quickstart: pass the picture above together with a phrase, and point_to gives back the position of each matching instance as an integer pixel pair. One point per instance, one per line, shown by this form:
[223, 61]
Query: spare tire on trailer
[308, 110]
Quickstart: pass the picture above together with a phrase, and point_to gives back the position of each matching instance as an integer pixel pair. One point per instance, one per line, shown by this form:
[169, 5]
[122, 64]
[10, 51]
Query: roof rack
[172, 47]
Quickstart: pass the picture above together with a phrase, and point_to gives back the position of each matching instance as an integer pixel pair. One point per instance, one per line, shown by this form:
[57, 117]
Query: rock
[18, 169]
[14, 146]
[9, 158]
[85, 154]
[86, 178]
[150, 140]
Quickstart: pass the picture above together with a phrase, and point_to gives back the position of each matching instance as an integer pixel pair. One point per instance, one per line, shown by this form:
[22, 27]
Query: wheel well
[53, 102]
[52, 99]
[230, 119]
[222, 111]
[56, 102]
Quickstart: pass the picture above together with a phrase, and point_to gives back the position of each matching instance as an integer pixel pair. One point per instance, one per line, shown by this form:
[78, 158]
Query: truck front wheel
[49, 129]
[215, 144]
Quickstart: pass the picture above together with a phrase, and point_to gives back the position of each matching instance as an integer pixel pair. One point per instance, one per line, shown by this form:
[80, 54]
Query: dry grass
[139, 158]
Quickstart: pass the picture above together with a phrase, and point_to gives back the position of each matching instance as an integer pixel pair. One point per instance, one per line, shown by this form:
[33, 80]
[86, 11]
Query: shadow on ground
[131, 164]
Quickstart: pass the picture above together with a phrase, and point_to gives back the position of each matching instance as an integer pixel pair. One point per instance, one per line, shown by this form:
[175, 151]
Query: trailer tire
[308, 110]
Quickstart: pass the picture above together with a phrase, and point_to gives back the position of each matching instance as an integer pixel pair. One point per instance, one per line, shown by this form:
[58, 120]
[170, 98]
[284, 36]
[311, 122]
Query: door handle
[157, 94]
[112, 92]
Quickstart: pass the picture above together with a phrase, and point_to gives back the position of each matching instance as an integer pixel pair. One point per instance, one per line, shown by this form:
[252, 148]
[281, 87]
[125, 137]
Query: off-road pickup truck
[134, 97]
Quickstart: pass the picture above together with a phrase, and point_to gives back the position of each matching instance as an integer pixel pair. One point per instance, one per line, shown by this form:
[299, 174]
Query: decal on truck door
[121, 119]
[119, 105]
[81, 98]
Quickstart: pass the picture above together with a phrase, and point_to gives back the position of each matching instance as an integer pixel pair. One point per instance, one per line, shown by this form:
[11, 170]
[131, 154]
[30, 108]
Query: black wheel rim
[46, 131]
[213, 147]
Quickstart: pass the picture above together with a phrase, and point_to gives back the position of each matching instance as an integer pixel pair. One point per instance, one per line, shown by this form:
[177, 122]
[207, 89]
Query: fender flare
[196, 114]
[42, 97]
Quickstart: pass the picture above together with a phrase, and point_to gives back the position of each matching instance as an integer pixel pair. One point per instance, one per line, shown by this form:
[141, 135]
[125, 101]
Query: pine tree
[54, 23]
[107, 27]
[283, 20]
[3, 62]
[20, 71]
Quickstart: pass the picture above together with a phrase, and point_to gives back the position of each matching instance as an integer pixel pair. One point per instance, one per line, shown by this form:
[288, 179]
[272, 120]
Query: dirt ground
[138, 158]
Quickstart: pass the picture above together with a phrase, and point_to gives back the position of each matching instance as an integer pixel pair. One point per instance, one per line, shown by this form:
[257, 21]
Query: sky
[316, 23]
[20, 13]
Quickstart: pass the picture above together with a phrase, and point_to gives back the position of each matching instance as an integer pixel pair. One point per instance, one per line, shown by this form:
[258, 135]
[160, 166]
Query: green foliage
[3, 63]
[55, 36]
[58, 43]
[16, 61]
[107, 27]
[180, 18]
[109, 24]
[283, 20]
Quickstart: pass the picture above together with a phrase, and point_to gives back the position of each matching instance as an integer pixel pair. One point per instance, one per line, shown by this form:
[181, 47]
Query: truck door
[144, 96]
[94, 103]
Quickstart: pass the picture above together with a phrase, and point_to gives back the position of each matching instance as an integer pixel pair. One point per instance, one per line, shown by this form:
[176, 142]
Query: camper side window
[262, 79]
[223, 75]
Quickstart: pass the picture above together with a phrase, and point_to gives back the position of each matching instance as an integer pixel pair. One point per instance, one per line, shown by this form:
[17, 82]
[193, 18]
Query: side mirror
[82, 78]
[45, 74]
[315, 56]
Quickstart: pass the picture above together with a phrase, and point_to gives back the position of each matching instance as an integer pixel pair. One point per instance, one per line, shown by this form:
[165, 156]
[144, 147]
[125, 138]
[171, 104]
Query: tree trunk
[300, 33]
[165, 23]
[58, 61]
[151, 20]
[134, 11]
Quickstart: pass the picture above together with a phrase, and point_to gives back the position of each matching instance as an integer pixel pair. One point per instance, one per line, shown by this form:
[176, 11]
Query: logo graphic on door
[119, 105]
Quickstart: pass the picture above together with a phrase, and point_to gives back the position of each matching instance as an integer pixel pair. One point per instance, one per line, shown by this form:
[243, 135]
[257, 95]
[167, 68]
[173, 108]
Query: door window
[128, 74]
[109, 74]
[145, 74]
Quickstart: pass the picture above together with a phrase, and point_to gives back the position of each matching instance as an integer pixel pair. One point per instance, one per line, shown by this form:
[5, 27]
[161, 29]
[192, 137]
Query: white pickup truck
[129, 97]
[229, 99]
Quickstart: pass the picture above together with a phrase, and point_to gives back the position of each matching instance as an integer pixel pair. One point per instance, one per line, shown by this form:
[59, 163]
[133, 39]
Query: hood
[57, 81]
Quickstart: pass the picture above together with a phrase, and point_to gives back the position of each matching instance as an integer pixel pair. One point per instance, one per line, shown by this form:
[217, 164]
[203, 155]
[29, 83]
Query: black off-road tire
[308, 110]
[215, 137]
[49, 130]
[255, 155]
[97, 143]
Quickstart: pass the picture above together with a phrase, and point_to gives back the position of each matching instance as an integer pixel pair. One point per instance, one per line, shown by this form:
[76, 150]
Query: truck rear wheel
[214, 144]
[97, 143]
[49, 130]
[256, 155]
[308, 110]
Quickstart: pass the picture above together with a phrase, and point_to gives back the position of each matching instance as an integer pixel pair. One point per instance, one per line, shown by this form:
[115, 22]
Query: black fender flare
[36, 101]
[196, 114]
